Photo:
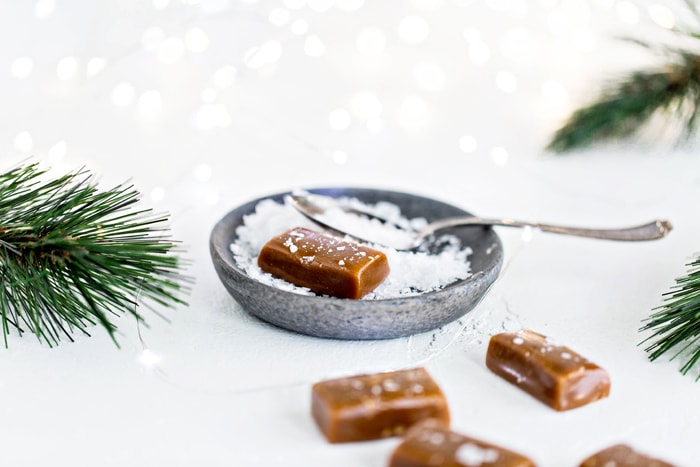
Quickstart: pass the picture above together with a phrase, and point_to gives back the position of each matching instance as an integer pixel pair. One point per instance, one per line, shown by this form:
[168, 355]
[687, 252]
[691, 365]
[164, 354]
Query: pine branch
[676, 324]
[623, 107]
[72, 256]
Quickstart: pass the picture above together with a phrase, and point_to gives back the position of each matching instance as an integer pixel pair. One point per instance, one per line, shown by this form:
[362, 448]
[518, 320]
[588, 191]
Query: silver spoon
[314, 206]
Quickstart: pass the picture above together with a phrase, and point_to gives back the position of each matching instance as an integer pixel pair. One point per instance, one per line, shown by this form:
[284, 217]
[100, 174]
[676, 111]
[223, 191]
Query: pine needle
[621, 110]
[676, 324]
[72, 256]
[624, 106]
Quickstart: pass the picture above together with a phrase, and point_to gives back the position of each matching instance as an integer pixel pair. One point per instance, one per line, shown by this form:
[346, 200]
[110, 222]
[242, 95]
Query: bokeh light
[171, 50]
[366, 105]
[371, 41]
[157, 194]
[151, 38]
[67, 68]
[506, 81]
[95, 66]
[24, 142]
[203, 172]
[340, 157]
[414, 112]
[499, 155]
[196, 40]
[150, 105]
[349, 5]
[57, 152]
[279, 17]
[413, 29]
[467, 144]
[628, 12]
[123, 94]
[22, 67]
[294, 4]
[429, 76]
[269, 52]
[44, 8]
[339, 119]
[662, 15]
[225, 76]
[314, 46]
[210, 116]
[299, 27]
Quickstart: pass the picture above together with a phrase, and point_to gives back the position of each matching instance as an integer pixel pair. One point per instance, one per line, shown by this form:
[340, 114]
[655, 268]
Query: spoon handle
[650, 231]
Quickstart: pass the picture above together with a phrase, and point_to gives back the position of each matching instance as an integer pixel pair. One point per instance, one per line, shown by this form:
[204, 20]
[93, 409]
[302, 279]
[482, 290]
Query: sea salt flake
[437, 438]
[412, 272]
[356, 384]
[473, 455]
[390, 385]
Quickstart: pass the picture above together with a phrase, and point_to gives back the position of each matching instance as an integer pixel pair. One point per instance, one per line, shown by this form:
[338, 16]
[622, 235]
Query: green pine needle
[625, 106]
[72, 256]
[676, 324]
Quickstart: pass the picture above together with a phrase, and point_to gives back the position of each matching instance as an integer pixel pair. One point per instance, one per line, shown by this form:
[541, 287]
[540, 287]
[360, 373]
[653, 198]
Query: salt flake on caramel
[431, 443]
[553, 373]
[324, 263]
[373, 406]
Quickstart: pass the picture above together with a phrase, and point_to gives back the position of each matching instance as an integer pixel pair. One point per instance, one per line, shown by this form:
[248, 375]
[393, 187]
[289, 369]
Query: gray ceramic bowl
[361, 319]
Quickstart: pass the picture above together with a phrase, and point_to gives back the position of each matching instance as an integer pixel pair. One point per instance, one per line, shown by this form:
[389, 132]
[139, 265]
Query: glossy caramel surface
[621, 455]
[374, 406]
[323, 263]
[432, 444]
[553, 373]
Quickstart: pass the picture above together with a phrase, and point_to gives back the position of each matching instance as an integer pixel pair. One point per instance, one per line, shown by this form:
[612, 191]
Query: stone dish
[336, 318]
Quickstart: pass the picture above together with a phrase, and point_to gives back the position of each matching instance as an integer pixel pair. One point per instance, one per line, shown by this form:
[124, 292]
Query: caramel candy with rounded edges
[432, 444]
[373, 406]
[621, 455]
[554, 374]
[324, 263]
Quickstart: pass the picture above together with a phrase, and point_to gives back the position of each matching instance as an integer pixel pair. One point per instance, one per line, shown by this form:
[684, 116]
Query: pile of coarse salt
[412, 272]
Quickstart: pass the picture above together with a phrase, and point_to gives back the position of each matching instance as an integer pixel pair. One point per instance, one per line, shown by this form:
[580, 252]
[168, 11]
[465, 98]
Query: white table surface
[174, 97]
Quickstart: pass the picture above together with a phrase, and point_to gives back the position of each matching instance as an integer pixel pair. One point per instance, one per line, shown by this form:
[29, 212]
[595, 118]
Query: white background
[204, 105]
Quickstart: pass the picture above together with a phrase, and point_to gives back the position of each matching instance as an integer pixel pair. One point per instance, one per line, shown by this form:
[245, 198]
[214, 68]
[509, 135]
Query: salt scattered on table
[412, 272]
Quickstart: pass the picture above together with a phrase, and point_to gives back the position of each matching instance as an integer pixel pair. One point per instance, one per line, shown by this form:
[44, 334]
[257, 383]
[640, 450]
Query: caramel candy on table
[323, 263]
[554, 374]
[621, 455]
[373, 406]
[433, 444]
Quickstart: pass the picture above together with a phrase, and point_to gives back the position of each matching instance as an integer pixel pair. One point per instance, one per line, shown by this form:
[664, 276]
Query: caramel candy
[373, 406]
[432, 444]
[323, 263]
[621, 455]
[554, 374]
